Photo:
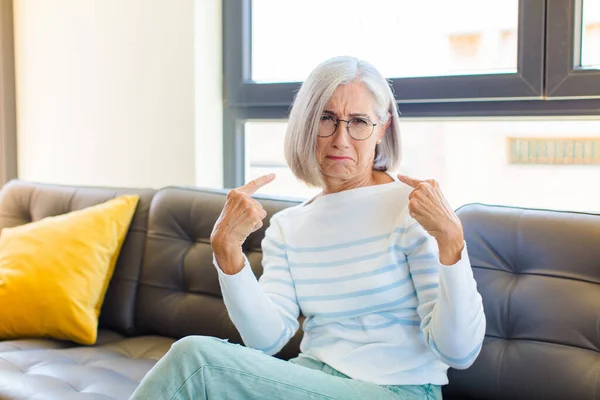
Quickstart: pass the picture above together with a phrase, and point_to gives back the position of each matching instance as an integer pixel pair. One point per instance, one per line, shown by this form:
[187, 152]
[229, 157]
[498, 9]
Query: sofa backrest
[22, 202]
[539, 275]
[179, 291]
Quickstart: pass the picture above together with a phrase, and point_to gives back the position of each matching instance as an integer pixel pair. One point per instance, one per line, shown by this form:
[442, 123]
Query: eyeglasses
[359, 128]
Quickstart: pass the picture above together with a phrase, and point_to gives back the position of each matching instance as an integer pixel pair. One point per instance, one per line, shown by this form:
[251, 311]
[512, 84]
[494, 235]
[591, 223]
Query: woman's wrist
[229, 257]
[450, 247]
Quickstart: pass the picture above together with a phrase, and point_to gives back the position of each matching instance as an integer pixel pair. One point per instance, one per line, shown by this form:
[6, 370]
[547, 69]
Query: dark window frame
[564, 76]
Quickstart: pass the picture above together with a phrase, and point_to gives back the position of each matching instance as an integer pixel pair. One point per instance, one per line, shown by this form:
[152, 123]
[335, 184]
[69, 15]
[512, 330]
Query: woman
[377, 265]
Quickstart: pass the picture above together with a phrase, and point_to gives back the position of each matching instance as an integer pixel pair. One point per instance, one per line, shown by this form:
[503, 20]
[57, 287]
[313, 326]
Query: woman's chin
[338, 172]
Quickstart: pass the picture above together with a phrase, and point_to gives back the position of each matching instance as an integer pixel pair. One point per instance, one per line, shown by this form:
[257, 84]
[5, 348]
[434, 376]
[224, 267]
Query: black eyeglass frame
[337, 123]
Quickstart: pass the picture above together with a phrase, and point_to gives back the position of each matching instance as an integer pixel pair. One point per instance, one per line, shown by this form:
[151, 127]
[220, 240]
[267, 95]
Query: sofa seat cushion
[105, 336]
[108, 371]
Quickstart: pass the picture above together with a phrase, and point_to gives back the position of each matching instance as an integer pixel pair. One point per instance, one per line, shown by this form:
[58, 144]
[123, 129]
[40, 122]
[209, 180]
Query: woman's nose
[341, 136]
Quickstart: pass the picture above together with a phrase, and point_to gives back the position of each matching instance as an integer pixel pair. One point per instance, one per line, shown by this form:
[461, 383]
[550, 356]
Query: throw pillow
[54, 272]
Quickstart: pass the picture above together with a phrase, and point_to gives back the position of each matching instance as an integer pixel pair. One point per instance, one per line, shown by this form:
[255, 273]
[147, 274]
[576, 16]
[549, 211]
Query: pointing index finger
[412, 182]
[255, 184]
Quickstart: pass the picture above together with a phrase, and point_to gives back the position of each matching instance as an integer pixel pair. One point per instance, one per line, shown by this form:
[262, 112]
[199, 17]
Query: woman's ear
[389, 122]
[385, 128]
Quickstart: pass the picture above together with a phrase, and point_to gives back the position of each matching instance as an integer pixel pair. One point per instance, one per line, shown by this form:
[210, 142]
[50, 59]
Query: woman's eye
[326, 118]
[359, 121]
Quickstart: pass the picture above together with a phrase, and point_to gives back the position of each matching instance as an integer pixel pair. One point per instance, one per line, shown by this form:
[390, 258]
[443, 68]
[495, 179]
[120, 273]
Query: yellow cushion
[54, 272]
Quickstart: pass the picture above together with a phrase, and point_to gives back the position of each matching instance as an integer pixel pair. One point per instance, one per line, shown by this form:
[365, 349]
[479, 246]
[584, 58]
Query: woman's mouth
[339, 158]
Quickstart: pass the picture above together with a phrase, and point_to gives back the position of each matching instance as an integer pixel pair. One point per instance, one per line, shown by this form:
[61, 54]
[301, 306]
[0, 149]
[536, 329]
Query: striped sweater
[379, 306]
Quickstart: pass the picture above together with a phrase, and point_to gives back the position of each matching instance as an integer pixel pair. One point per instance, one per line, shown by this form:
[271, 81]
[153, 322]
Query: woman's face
[340, 156]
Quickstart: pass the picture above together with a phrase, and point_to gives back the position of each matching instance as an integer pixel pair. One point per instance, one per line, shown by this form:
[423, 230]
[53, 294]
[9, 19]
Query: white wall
[209, 93]
[106, 92]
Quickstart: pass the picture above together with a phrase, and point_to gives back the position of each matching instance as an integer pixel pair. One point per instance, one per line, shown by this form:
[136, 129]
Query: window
[489, 63]
[572, 49]
[460, 45]
[472, 160]
[590, 42]
[486, 50]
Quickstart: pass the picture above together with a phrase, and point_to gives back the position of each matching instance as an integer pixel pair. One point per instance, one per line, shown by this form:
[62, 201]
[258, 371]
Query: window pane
[402, 38]
[590, 40]
[554, 163]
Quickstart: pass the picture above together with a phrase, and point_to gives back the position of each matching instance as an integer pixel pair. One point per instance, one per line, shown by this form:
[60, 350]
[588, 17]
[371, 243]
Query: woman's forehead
[353, 96]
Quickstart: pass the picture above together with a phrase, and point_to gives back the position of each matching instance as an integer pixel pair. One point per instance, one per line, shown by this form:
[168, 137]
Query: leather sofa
[537, 271]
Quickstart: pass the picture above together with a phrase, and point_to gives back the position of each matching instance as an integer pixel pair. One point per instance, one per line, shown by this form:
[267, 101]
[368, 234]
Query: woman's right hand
[240, 216]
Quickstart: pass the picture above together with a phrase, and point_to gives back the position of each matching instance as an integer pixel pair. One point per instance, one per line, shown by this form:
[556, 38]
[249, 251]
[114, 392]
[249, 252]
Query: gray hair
[311, 99]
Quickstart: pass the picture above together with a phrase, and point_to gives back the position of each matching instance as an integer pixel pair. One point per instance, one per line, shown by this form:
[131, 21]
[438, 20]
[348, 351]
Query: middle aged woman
[378, 266]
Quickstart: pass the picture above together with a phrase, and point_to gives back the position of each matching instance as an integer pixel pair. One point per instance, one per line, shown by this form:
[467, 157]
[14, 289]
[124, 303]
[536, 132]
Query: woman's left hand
[428, 206]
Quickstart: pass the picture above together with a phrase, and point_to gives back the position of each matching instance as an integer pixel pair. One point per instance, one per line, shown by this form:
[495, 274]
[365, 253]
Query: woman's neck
[370, 179]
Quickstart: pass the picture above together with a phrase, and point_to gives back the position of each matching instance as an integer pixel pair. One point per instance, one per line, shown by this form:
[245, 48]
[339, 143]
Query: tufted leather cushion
[23, 202]
[539, 275]
[108, 371]
[179, 292]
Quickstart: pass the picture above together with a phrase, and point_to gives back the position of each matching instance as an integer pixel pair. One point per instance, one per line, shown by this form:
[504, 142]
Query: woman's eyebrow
[350, 115]
[359, 115]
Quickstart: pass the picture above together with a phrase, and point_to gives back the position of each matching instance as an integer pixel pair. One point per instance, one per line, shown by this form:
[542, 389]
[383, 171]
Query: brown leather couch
[537, 271]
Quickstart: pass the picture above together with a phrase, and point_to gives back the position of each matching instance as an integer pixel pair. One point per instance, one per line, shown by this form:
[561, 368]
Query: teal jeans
[198, 367]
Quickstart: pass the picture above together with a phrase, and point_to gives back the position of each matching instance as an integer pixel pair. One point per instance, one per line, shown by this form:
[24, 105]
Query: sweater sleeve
[264, 311]
[449, 305]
